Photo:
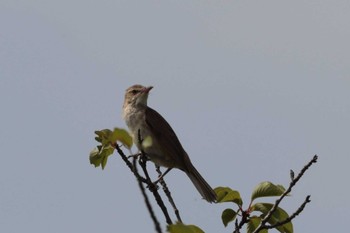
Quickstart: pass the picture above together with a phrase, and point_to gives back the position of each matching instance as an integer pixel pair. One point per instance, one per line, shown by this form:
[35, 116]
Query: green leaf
[106, 151]
[103, 136]
[99, 155]
[94, 159]
[107, 138]
[267, 189]
[226, 194]
[122, 136]
[182, 228]
[104, 161]
[278, 215]
[228, 215]
[253, 223]
[98, 139]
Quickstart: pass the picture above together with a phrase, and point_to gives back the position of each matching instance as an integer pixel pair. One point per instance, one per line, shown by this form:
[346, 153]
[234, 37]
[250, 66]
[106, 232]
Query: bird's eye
[134, 92]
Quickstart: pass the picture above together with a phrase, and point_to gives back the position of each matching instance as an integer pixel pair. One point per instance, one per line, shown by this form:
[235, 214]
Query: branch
[263, 222]
[244, 220]
[168, 194]
[154, 189]
[290, 218]
[128, 163]
[147, 180]
[140, 180]
[148, 204]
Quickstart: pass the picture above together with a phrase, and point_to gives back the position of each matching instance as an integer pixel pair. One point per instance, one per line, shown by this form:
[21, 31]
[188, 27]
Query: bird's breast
[135, 120]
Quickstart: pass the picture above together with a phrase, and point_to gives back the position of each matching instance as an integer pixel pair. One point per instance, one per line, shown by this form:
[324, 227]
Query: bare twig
[148, 204]
[168, 194]
[244, 220]
[140, 180]
[154, 189]
[290, 218]
[237, 228]
[128, 163]
[263, 222]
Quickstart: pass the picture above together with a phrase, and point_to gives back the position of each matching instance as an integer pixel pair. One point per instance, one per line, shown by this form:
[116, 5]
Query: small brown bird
[164, 148]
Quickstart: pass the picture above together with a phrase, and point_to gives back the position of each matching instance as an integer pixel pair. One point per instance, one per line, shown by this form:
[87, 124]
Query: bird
[163, 147]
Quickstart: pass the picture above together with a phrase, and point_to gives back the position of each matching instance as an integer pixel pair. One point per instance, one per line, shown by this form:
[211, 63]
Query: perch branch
[290, 218]
[263, 222]
[168, 194]
[148, 204]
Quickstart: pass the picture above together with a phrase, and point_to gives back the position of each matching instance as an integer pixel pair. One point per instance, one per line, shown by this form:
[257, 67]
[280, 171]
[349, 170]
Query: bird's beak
[147, 89]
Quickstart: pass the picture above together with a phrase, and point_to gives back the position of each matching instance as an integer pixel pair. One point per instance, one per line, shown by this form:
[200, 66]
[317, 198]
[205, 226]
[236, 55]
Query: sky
[252, 89]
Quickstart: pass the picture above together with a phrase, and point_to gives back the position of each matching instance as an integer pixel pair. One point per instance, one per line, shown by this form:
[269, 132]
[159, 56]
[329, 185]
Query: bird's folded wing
[166, 137]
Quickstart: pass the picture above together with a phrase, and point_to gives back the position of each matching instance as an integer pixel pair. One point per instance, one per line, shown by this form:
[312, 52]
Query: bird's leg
[161, 176]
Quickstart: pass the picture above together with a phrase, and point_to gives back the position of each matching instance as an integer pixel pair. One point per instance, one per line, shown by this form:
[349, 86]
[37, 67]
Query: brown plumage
[165, 149]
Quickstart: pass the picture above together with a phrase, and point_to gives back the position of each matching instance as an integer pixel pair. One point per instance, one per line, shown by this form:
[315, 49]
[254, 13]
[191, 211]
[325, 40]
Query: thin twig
[154, 189]
[290, 218]
[128, 163]
[140, 180]
[168, 194]
[125, 159]
[263, 222]
[237, 228]
[148, 204]
[244, 220]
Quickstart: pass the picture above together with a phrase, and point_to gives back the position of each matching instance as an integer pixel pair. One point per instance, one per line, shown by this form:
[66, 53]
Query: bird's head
[137, 95]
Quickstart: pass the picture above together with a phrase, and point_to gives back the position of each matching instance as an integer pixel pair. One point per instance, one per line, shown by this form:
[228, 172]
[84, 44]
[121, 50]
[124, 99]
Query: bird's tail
[201, 185]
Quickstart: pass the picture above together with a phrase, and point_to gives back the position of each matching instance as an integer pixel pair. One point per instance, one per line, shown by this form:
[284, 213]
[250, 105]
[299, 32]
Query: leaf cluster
[108, 139]
[256, 211]
[252, 217]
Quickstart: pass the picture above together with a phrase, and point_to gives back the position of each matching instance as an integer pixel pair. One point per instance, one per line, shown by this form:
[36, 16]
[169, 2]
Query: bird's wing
[166, 137]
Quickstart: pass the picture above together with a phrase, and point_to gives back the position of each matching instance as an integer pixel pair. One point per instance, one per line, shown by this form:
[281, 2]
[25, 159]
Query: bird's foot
[152, 186]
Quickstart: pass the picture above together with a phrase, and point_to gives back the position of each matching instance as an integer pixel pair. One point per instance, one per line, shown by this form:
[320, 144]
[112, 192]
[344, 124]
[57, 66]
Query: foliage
[182, 228]
[258, 217]
[264, 189]
[107, 139]
[225, 194]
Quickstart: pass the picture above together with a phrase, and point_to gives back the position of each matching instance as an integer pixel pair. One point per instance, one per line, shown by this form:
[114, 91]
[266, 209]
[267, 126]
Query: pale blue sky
[252, 88]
